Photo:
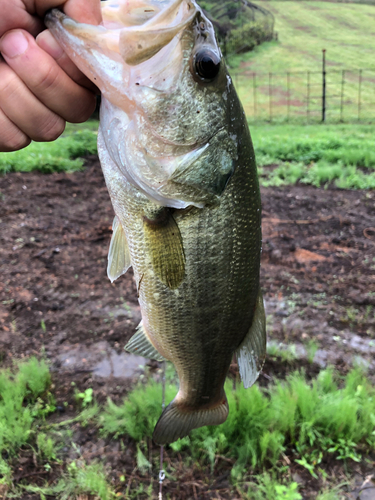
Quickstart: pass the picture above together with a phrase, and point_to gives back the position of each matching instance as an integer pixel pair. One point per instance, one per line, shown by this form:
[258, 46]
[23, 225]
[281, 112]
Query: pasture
[346, 31]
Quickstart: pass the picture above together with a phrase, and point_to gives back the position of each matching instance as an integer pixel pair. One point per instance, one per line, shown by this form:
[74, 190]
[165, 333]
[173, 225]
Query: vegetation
[304, 29]
[307, 422]
[63, 155]
[240, 25]
[317, 154]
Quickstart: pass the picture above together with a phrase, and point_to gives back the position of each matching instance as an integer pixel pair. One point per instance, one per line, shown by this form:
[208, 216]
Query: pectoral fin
[165, 246]
[118, 255]
[252, 351]
[140, 344]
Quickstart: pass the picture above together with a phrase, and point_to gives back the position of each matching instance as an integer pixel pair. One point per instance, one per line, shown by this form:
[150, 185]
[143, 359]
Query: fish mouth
[140, 43]
[191, 145]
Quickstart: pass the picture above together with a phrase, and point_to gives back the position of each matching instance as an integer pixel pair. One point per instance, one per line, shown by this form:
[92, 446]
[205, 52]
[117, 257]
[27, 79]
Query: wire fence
[330, 95]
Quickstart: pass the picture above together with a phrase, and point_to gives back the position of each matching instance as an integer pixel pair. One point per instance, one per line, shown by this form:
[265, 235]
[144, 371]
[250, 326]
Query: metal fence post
[288, 85]
[359, 94]
[308, 96]
[324, 87]
[342, 96]
[270, 94]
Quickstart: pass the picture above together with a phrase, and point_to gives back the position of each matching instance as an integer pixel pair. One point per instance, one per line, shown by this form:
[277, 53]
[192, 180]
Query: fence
[327, 95]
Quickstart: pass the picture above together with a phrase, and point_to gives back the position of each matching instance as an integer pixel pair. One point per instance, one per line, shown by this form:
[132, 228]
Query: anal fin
[252, 352]
[140, 344]
[118, 255]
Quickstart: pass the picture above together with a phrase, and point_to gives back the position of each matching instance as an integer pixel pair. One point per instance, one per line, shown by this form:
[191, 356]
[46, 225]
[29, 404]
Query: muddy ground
[318, 278]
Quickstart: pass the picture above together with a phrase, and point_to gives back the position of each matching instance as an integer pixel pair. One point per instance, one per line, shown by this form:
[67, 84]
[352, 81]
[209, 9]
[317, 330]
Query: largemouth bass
[179, 165]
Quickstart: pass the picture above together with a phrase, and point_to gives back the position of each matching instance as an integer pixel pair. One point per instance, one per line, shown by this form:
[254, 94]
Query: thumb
[83, 11]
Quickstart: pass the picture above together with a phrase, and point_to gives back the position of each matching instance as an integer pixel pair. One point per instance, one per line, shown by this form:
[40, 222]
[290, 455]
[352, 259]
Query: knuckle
[11, 137]
[9, 82]
[84, 111]
[46, 79]
[14, 142]
[50, 130]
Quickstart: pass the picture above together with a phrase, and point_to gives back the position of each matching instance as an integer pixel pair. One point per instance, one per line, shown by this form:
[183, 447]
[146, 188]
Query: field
[346, 31]
[77, 412]
[56, 303]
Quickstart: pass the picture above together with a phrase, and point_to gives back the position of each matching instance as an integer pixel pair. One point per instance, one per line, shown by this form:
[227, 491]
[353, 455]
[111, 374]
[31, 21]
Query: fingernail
[13, 44]
[49, 44]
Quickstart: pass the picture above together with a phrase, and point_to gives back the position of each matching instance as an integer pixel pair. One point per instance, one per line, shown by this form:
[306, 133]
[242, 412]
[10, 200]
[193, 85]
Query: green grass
[62, 155]
[24, 398]
[316, 154]
[309, 421]
[304, 29]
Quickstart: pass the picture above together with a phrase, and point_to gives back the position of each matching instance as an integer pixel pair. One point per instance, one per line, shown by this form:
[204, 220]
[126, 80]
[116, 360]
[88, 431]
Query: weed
[315, 419]
[46, 446]
[311, 349]
[267, 487]
[86, 398]
[316, 155]
[5, 473]
[60, 155]
[79, 479]
[21, 402]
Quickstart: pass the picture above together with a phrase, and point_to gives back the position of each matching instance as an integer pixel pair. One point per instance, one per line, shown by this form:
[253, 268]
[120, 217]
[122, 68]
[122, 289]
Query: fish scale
[180, 169]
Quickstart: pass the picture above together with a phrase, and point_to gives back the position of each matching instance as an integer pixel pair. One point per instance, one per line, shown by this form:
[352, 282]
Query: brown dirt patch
[318, 277]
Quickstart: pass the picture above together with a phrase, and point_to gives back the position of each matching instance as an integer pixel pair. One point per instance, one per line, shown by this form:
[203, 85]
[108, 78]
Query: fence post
[288, 85]
[270, 94]
[324, 87]
[342, 96]
[255, 94]
[308, 96]
[359, 94]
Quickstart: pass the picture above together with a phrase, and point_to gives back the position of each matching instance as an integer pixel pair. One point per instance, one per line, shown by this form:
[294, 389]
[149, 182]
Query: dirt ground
[318, 278]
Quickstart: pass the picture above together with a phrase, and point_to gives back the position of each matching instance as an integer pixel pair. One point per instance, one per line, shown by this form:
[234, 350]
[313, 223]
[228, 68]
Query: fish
[179, 164]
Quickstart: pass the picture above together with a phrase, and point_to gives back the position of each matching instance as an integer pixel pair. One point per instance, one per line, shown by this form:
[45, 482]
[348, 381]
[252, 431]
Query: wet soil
[318, 278]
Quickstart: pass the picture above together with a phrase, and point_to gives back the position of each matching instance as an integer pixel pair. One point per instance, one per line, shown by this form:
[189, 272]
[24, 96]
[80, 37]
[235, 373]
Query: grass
[304, 29]
[63, 155]
[309, 422]
[24, 398]
[316, 154]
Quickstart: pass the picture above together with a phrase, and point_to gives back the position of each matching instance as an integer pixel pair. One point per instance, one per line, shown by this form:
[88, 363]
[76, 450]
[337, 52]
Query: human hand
[40, 88]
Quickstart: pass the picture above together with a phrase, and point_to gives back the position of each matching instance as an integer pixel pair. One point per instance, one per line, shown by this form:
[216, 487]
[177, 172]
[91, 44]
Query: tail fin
[177, 421]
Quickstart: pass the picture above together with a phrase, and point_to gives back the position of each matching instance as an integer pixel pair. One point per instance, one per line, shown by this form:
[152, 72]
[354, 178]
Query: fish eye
[206, 65]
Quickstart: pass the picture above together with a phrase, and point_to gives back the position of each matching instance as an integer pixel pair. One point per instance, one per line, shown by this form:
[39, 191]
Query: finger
[83, 11]
[46, 80]
[16, 16]
[11, 138]
[49, 44]
[26, 112]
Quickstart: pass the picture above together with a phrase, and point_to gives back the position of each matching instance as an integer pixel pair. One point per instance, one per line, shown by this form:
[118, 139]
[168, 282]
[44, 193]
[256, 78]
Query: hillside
[346, 31]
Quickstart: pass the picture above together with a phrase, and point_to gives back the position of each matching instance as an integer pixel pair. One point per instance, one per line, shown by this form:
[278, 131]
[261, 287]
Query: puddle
[101, 360]
[124, 365]
[326, 357]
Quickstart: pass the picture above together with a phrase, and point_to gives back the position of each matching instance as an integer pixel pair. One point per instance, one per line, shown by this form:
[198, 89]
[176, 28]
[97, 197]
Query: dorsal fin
[118, 255]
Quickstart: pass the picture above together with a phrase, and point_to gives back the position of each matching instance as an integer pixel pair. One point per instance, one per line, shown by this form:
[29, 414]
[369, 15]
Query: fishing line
[162, 472]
